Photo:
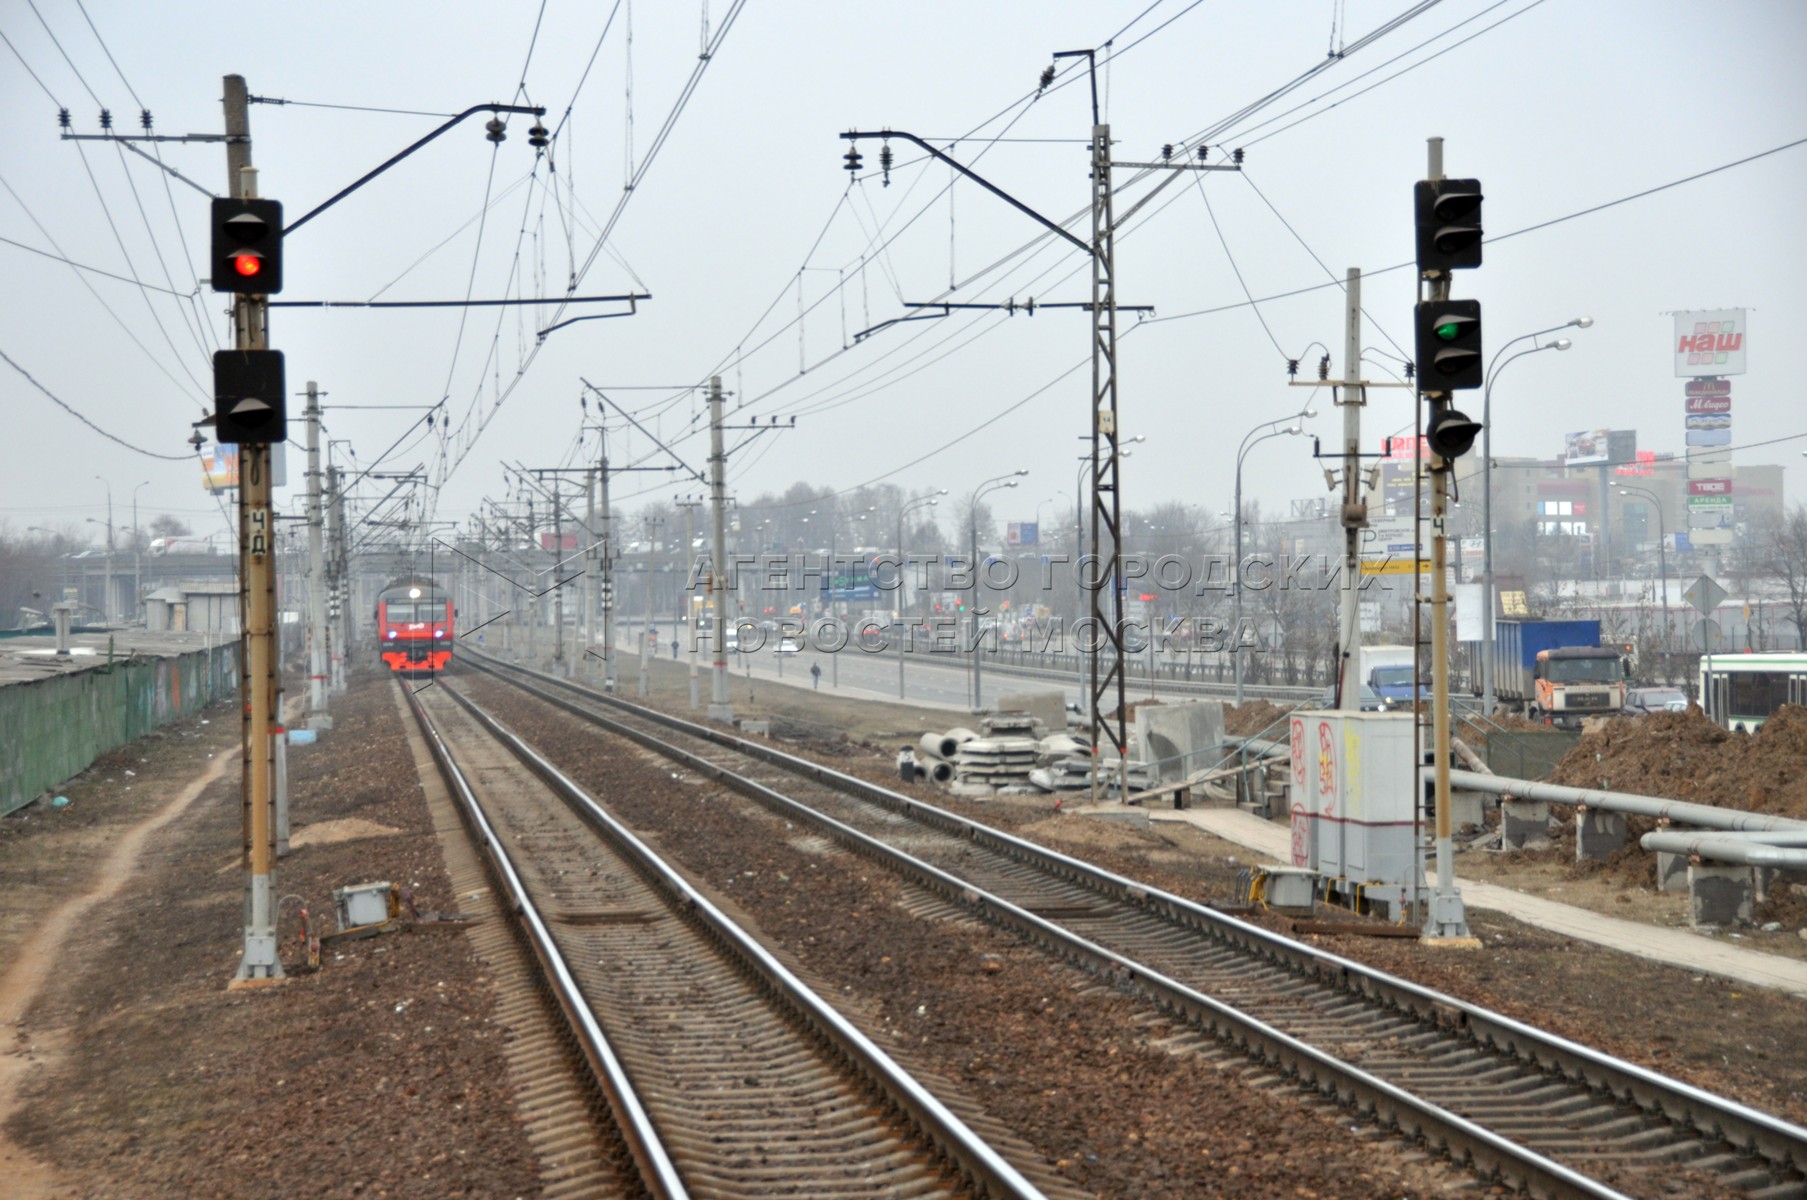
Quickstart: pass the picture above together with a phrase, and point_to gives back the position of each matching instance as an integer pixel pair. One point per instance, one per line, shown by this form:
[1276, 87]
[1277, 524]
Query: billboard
[1023, 533]
[562, 541]
[1709, 342]
[219, 468]
[1588, 446]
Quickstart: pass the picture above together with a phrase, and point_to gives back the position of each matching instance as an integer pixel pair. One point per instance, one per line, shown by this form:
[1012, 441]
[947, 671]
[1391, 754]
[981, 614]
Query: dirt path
[23, 978]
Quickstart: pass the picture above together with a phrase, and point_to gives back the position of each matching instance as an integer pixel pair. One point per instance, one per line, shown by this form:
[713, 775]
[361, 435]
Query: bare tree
[1784, 549]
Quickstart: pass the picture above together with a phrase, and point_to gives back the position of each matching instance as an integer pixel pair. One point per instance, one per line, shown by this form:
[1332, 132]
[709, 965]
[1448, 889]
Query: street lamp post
[1236, 516]
[1662, 548]
[834, 657]
[1487, 602]
[137, 552]
[903, 647]
[107, 591]
[972, 521]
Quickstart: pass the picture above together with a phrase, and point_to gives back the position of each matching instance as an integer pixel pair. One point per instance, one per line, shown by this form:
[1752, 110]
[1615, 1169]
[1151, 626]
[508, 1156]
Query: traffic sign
[1704, 595]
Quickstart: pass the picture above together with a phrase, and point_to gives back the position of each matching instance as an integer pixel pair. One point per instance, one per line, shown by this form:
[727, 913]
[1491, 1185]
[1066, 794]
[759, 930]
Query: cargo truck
[1556, 671]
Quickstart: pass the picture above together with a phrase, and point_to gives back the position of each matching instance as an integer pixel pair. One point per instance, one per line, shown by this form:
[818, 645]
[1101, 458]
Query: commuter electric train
[414, 627]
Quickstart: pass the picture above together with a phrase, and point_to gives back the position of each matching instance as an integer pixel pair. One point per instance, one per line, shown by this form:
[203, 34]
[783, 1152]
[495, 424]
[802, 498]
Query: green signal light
[1449, 331]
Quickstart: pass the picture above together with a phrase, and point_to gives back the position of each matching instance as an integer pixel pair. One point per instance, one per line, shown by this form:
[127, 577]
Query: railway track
[1517, 1104]
[725, 1076]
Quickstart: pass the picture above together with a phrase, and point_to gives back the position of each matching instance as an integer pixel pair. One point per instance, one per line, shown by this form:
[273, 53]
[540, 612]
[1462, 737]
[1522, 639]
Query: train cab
[414, 627]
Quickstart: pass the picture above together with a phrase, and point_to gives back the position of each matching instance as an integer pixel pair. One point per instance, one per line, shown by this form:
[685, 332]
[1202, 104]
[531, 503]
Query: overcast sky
[741, 217]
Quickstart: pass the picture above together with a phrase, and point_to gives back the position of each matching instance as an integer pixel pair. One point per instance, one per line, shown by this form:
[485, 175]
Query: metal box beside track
[364, 904]
[1354, 803]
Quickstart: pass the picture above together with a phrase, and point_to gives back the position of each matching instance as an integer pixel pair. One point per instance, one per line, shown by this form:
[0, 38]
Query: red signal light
[248, 263]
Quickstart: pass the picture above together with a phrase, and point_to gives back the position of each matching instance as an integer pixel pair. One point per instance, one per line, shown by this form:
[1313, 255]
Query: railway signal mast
[1448, 353]
[249, 408]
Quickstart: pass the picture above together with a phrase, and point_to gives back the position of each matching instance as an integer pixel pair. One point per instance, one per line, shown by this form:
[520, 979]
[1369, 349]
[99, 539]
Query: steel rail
[970, 1154]
[657, 1170]
[1746, 1129]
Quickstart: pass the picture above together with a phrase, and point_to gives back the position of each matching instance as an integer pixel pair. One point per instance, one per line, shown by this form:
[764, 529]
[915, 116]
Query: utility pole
[1355, 514]
[719, 708]
[558, 593]
[686, 619]
[339, 600]
[591, 607]
[610, 678]
[260, 962]
[317, 717]
[646, 641]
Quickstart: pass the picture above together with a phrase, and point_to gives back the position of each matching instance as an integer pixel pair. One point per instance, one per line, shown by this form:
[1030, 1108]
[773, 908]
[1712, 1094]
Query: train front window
[401, 613]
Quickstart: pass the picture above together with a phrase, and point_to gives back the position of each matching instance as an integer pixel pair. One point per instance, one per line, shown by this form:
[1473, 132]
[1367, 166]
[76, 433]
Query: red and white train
[414, 627]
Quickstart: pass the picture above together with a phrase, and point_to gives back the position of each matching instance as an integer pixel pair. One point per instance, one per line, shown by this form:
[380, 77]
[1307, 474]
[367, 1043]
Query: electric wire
[1245, 141]
[686, 92]
[108, 308]
[66, 407]
[1230, 257]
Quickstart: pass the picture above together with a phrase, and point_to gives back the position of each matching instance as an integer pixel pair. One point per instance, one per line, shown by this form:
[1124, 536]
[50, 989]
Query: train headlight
[439, 633]
[392, 633]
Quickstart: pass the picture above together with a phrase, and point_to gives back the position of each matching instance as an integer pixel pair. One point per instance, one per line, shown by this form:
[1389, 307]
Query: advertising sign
[564, 541]
[1709, 437]
[1709, 487]
[1643, 464]
[1700, 502]
[1708, 420]
[1023, 533]
[219, 468]
[1588, 446]
[1709, 342]
[1402, 447]
[1709, 404]
[1622, 445]
[1707, 387]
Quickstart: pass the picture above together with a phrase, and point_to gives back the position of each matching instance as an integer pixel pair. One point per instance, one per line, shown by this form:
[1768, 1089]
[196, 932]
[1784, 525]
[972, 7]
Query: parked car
[788, 645]
[1639, 701]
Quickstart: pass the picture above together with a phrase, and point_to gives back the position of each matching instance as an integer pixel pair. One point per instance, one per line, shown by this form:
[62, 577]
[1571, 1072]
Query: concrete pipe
[938, 746]
[941, 771]
[961, 736]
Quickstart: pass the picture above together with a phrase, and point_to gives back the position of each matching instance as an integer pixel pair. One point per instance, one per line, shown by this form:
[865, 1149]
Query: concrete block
[1598, 834]
[1128, 814]
[1177, 739]
[1049, 708]
[1524, 824]
[752, 728]
[1465, 808]
[1719, 896]
[1671, 871]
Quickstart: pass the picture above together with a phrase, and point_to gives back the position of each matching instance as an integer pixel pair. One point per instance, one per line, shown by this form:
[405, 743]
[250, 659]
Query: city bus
[1741, 691]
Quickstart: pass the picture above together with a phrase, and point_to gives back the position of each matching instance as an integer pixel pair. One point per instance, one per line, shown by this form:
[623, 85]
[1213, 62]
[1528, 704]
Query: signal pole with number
[259, 962]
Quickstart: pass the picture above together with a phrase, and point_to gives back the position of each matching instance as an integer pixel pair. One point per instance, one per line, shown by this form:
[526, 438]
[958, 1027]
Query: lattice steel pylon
[1107, 526]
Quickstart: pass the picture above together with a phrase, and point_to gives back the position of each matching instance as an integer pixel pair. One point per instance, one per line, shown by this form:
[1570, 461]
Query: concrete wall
[53, 728]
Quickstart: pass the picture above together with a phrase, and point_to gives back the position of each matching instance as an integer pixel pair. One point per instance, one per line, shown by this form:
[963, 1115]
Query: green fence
[53, 728]
[1528, 755]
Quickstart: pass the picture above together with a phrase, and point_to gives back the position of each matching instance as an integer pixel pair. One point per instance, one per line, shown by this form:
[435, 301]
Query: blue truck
[1556, 671]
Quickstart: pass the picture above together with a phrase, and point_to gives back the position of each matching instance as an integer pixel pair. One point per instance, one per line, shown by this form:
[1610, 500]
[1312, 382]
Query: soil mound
[1684, 756]
[1254, 717]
